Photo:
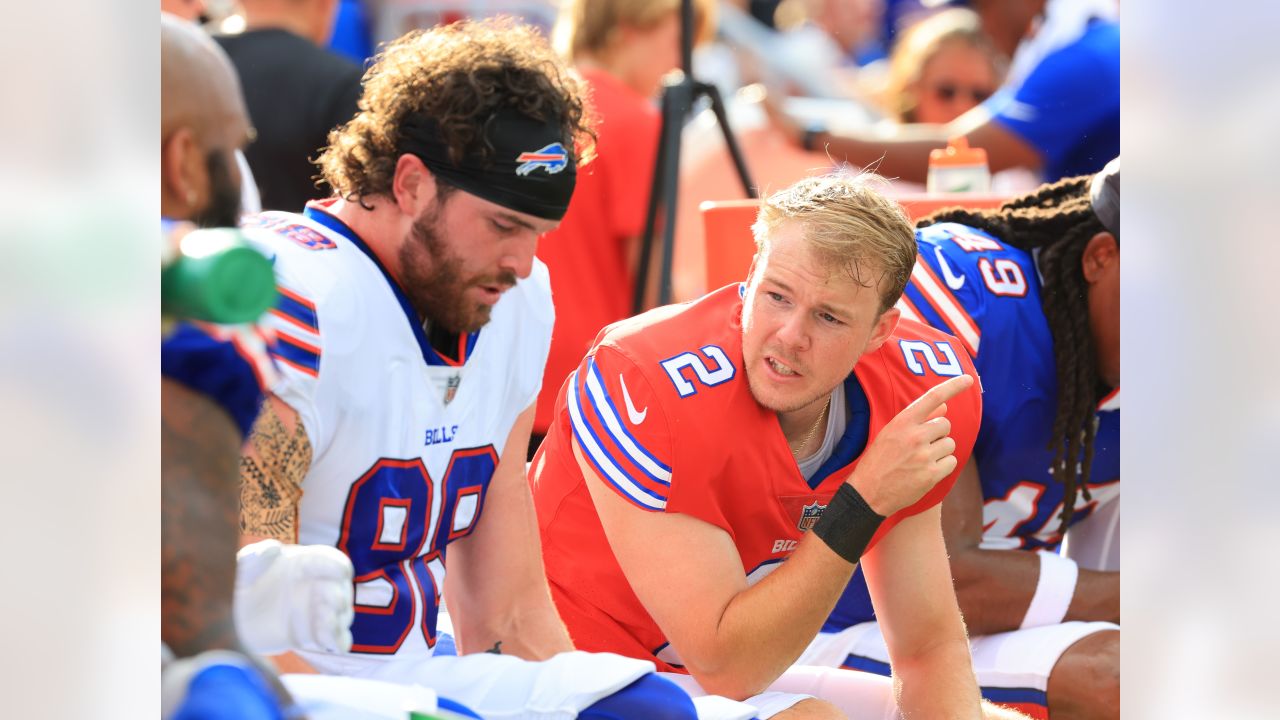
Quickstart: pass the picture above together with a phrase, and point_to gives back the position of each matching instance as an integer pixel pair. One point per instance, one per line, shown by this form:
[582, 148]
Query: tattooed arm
[199, 444]
[276, 458]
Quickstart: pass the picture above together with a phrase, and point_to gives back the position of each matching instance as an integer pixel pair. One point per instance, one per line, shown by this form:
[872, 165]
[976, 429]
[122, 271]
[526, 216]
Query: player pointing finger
[912, 453]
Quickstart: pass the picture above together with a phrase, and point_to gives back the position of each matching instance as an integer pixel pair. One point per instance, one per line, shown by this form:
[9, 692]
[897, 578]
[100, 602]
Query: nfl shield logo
[451, 388]
[809, 515]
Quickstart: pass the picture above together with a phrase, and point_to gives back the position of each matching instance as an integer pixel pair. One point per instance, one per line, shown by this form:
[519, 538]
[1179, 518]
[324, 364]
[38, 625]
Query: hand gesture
[911, 453]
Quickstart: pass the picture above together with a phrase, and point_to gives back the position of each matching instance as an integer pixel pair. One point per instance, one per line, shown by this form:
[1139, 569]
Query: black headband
[1104, 196]
[530, 170]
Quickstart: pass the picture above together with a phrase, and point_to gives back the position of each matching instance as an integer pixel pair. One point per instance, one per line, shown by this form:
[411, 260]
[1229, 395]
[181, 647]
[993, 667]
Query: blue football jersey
[230, 364]
[987, 294]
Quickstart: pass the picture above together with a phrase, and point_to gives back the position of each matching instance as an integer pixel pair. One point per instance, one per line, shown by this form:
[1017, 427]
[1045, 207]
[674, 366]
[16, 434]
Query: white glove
[293, 597]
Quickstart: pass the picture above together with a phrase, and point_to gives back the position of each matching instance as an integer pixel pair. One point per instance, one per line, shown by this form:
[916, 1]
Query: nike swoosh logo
[636, 417]
[953, 282]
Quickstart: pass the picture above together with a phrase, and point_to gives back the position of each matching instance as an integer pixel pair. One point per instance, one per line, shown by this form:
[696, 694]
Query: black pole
[678, 99]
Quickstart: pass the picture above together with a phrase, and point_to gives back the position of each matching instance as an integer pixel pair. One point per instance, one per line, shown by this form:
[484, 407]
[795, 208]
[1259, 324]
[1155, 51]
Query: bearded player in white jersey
[413, 326]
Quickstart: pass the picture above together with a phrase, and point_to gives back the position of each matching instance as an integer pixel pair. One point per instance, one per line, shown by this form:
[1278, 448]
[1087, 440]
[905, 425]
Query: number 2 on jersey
[724, 371]
[914, 350]
[395, 527]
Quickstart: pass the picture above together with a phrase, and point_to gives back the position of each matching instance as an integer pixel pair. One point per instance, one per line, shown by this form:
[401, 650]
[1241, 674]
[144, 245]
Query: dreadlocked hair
[1058, 221]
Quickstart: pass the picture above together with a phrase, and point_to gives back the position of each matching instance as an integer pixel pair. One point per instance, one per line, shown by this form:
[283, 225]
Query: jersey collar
[316, 212]
[856, 432]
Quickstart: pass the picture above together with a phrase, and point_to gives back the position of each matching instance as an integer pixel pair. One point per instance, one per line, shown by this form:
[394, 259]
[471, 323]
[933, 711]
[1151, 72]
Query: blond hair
[589, 26]
[921, 42]
[849, 224]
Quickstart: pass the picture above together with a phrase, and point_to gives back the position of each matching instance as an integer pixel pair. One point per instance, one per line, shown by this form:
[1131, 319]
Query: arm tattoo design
[199, 445]
[271, 482]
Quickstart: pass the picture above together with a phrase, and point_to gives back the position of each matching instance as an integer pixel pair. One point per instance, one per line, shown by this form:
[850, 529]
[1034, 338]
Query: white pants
[858, 695]
[502, 687]
[1012, 667]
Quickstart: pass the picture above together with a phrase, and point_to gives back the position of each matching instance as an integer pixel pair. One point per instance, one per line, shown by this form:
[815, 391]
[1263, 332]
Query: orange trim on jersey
[296, 342]
[1032, 710]
[285, 337]
[466, 491]
[945, 304]
[1102, 404]
[246, 355]
[909, 310]
[296, 366]
[292, 319]
[377, 543]
[390, 608]
[425, 564]
[295, 296]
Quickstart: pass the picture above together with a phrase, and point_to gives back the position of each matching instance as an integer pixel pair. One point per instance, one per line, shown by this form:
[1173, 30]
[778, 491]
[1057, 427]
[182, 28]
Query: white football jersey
[404, 441]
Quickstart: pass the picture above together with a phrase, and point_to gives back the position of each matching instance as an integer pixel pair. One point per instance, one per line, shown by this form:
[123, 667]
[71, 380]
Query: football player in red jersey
[793, 418]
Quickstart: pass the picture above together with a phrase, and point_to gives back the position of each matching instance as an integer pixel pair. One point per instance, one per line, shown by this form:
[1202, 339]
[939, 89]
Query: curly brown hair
[1058, 220]
[458, 75]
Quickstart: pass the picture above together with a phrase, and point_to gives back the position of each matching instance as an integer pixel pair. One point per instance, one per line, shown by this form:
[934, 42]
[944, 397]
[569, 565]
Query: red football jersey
[662, 408]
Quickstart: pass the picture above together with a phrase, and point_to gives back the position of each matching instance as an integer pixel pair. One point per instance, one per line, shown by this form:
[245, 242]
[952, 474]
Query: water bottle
[958, 169]
[215, 276]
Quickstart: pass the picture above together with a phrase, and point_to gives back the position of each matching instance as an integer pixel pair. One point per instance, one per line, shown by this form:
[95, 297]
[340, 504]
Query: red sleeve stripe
[946, 305]
[601, 457]
[909, 310]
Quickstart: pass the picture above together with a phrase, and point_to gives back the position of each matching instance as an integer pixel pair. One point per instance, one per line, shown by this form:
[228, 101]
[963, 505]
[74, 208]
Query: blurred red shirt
[591, 283]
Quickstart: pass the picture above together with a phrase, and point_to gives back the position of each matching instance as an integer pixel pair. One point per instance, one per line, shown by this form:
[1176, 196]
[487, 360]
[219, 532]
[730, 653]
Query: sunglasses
[947, 92]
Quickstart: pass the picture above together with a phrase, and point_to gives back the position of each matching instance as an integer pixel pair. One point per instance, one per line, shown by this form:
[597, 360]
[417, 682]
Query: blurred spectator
[852, 25]
[207, 397]
[622, 48]
[1058, 113]
[296, 90]
[941, 68]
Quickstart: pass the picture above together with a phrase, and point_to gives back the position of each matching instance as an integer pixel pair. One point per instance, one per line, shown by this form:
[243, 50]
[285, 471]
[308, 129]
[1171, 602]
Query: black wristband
[848, 524]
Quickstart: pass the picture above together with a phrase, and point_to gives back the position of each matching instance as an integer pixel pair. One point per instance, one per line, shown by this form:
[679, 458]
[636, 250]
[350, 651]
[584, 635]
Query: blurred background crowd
[809, 85]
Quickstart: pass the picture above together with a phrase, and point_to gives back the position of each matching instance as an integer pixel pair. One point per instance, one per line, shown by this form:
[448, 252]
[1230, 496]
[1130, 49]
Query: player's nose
[518, 257]
[793, 333]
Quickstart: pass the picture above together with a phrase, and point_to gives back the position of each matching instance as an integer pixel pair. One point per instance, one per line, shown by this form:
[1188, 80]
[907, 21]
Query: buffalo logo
[551, 158]
[809, 515]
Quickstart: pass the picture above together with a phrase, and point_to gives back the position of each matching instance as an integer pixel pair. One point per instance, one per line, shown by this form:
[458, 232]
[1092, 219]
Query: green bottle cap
[217, 277]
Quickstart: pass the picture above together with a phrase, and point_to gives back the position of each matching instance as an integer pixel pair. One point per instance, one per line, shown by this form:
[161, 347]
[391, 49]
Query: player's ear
[414, 186]
[884, 327]
[1099, 253]
[184, 174]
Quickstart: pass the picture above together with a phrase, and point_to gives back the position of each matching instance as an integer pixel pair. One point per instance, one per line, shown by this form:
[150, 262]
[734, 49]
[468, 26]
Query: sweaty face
[462, 254]
[805, 323]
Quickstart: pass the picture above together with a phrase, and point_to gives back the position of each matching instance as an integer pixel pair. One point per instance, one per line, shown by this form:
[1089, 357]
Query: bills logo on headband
[551, 158]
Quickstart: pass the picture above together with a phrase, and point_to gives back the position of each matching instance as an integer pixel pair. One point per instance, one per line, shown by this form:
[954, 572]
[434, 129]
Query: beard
[435, 282]
[223, 209]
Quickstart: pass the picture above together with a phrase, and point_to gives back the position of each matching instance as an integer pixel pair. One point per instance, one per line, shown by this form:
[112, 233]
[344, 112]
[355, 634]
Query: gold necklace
[795, 452]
